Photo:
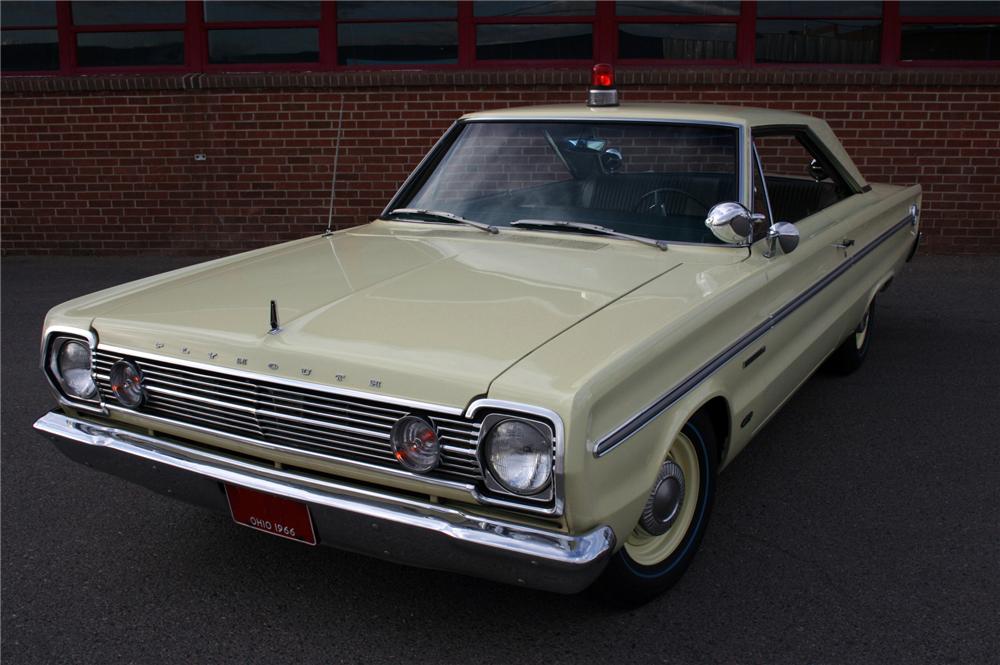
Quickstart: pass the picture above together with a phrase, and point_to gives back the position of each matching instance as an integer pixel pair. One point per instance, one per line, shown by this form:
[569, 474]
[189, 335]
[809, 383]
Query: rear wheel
[661, 546]
[851, 354]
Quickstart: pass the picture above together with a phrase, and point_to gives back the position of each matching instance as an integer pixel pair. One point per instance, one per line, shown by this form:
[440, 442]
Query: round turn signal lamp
[126, 384]
[415, 444]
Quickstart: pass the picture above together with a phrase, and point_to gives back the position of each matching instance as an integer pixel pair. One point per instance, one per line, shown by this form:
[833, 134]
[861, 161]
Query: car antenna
[336, 157]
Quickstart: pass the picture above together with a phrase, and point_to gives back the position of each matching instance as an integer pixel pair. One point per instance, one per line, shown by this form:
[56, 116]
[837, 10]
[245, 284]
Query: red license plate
[271, 514]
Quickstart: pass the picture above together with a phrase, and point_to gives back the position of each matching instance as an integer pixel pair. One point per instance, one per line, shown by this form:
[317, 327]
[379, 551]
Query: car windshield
[654, 180]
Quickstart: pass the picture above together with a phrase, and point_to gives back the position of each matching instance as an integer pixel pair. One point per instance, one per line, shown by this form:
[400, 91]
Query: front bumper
[395, 528]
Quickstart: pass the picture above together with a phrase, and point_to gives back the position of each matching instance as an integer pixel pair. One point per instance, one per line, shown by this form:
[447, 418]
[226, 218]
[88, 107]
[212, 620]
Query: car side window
[799, 180]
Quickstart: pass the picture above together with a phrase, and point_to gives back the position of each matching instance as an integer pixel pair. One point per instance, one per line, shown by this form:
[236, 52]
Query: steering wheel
[659, 202]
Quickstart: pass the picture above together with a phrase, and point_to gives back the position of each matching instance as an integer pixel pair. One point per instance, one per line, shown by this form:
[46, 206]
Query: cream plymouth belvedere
[531, 366]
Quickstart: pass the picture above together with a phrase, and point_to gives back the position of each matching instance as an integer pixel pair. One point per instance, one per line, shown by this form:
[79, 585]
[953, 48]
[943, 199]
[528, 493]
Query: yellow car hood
[415, 311]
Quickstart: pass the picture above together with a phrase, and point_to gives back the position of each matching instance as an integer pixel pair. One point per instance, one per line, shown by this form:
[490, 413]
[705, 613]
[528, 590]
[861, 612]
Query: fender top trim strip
[631, 426]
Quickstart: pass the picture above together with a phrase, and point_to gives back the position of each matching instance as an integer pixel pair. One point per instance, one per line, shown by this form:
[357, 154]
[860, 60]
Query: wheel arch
[881, 285]
[719, 414]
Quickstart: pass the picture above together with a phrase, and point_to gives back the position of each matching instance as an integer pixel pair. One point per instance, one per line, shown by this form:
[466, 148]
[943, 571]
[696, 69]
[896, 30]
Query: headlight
[415, 444]
[519, 456]
[71, 366]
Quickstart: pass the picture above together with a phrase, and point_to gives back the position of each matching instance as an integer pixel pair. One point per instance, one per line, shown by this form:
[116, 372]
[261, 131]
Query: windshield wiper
[592, 228]
[440, 214]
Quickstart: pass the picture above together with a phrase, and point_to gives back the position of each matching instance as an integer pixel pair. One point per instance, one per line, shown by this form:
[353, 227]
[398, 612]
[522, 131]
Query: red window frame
[604, 20]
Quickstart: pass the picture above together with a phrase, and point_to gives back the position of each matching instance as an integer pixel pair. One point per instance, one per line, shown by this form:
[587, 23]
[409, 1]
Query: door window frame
[815, 147]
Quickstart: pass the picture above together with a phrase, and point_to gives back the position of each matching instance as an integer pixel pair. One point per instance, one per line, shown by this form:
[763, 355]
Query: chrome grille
[290, 416]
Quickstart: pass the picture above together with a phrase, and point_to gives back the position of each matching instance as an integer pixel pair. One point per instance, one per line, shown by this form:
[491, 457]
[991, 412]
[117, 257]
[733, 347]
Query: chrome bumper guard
[394, 528]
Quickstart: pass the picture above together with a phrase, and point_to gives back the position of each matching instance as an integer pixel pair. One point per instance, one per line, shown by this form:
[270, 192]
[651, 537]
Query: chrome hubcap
[665, 501]
[670, 508]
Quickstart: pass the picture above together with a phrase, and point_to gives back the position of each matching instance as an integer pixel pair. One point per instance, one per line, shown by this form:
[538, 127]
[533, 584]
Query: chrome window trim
[91, 406]
[638, 421]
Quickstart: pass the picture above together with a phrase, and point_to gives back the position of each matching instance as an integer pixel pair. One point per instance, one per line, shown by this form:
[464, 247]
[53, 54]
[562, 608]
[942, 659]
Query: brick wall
[106, 164]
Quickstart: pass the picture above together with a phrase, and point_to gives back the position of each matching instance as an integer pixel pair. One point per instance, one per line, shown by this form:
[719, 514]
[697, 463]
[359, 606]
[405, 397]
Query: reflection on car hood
[414, 311]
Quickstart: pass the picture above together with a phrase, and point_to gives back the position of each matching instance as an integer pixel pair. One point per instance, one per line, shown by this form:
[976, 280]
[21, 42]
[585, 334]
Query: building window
[819, 32]
[128, 34]
[259, 45]
[224, 11]
[683, 41]
[970, 31]
[550, 41]
[127, 13]
[82, 36]
[393, 33]
[130, 49]
[677, 30]
[29, 40]
[246, 33]
[534, 30]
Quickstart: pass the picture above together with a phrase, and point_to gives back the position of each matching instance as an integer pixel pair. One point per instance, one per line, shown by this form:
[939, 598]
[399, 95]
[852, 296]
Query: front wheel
[661, 546]
[852, 353]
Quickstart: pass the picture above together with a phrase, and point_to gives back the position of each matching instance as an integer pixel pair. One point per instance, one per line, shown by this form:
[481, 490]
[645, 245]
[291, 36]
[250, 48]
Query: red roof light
[603, 76]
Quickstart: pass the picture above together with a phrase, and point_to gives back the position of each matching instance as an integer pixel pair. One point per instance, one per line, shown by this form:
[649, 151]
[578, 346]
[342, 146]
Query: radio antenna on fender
[336, 157]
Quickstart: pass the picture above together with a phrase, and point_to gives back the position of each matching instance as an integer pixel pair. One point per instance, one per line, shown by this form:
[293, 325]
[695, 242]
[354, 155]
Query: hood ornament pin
[275, 325]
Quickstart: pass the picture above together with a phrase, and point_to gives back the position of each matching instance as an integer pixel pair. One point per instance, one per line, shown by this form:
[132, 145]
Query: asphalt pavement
[862, 526]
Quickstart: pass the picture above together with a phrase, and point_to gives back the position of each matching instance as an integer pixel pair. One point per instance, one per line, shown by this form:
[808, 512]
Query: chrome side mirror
[731, 222]
[781, 235]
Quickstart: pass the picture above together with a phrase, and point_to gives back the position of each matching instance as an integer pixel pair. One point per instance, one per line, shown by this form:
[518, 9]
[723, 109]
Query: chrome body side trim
[393, 527]
[623, 432]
